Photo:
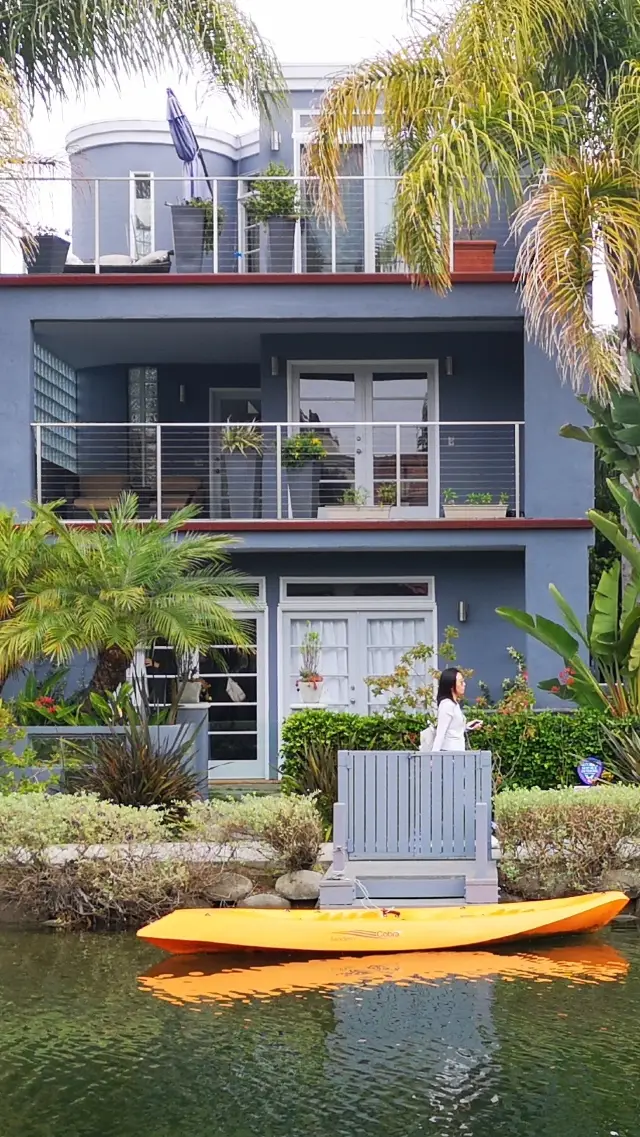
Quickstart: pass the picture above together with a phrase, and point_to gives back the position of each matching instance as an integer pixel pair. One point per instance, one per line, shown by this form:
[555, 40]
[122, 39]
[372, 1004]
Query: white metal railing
[368, 471]
[142, 224]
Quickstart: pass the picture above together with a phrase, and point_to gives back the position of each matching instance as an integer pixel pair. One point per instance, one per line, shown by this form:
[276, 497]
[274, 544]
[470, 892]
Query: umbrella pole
[205, 172]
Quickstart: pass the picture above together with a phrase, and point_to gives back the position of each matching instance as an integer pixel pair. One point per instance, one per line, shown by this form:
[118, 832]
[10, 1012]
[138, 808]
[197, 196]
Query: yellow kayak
[192, 930]
[193, 980]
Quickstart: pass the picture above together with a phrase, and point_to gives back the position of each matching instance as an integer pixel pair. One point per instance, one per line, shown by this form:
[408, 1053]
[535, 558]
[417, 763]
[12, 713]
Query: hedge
[532, 749]
[563, 842]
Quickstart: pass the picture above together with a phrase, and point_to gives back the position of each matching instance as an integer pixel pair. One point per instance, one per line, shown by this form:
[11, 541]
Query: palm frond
[577, 206]
[54, 48]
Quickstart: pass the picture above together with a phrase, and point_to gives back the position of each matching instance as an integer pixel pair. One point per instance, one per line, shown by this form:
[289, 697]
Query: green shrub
[290, 825]
[530, 749]
[34, 821]
[567, 841]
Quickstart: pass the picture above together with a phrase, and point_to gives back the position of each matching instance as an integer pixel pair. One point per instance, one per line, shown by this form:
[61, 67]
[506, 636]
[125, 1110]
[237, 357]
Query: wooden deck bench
[411, 830]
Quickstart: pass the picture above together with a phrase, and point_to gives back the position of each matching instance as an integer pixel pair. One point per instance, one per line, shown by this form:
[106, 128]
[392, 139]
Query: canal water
[101, 1036]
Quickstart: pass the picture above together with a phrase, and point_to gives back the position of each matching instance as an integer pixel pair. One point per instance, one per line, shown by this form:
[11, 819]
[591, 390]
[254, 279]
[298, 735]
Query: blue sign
[590, 770]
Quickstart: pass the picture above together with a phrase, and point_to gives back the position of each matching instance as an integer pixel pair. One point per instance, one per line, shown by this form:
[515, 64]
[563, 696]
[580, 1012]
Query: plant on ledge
[242, 438]
[206, 204]
[278, 197]
[301, 448]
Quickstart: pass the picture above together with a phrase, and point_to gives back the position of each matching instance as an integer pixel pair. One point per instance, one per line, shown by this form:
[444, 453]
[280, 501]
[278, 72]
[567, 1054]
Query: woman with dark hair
[451, 724]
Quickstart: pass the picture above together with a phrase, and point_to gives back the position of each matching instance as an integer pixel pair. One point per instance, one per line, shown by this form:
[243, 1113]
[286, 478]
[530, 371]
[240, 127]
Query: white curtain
[387, 641]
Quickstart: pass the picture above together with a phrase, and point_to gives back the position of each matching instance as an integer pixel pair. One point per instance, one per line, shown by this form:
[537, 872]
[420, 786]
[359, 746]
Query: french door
[234, 405]
[378, 423]
[355, 644]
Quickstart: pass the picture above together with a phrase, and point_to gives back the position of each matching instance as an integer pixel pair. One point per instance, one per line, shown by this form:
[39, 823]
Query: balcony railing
[141, 224]
[336, 471]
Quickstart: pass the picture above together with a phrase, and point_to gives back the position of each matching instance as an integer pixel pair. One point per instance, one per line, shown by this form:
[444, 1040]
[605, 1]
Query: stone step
[405, 888]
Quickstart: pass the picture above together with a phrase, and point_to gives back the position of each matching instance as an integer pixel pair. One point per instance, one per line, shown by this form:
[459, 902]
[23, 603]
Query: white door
[355, 645]
[378, 425]
[236, 694]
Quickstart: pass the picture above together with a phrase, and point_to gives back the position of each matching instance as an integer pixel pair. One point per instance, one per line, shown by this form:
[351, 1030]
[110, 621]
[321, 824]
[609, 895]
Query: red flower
[555, 690]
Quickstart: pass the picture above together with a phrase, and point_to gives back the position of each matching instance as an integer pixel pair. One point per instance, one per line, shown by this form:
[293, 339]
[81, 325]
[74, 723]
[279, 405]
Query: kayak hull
[360, 931]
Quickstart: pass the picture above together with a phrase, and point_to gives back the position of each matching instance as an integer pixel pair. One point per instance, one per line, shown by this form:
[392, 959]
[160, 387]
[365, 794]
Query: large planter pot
[301, 484]
[241, 477]
[281, 236]
[474, 256]
[310, 692]
[46, 253]
[188, 223]
[475, 512]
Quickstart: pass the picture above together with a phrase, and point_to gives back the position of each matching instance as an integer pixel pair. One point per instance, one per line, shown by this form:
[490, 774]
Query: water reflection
[222, 978]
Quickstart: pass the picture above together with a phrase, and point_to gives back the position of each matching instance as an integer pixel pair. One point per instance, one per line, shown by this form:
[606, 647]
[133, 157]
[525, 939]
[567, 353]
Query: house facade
[130, 365]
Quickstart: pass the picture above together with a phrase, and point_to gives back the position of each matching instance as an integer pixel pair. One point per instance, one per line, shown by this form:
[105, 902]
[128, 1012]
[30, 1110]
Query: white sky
[301, 31]
[339, 31]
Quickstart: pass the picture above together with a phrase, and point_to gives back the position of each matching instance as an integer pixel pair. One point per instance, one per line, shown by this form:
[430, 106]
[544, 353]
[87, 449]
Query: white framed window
[365, 626]
[236, 692]
[379, 422]
[141, 213]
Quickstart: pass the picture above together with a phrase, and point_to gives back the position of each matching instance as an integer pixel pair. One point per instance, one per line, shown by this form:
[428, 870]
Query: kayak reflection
[225, 978]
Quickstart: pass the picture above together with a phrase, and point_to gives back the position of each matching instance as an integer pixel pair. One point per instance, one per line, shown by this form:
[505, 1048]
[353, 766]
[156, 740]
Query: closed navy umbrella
[185, 143]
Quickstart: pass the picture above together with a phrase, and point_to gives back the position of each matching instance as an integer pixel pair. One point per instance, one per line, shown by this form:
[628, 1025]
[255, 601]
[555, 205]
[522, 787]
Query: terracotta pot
[474, 256]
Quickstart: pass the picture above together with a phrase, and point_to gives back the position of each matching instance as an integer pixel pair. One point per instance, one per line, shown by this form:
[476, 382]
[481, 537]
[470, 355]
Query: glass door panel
[387, 638]
[400, 453]
[332, 398]
[334, 632]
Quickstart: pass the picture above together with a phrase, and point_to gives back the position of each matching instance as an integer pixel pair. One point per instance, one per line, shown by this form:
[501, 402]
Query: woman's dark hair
[447, 684]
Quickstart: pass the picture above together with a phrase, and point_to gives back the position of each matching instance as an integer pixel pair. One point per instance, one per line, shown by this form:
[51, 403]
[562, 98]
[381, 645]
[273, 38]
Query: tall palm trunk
[110, 672]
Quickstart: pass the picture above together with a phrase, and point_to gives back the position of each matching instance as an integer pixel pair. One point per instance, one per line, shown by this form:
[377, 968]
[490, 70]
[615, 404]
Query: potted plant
[301, 453]
[473, 255]
[310, 683]
[242, 447]
[192, 224]
[44, 252]
[353, 505]
[476, 507]
[275, 204]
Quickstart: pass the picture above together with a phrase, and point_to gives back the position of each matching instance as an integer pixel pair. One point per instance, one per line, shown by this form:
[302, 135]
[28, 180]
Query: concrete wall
[119, 160]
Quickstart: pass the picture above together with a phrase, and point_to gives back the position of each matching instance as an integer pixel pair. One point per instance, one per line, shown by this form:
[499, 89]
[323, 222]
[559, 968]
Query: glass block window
[143, 408]
[56, 400]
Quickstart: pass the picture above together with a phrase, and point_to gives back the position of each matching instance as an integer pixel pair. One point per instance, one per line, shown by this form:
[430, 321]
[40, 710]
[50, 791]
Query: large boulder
[302, 885]
[263, 900]
[230, 886]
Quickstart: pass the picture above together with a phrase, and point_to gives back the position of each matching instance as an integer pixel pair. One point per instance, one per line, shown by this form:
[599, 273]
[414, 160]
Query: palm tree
[119, 585]
[52, 48]
[24, 551]
[539, 101]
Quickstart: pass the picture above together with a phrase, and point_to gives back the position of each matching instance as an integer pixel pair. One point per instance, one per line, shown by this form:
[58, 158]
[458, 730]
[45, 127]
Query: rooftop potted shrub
[472, 254]
[476, 506]
[301, 453]
[275, 204]
[242, 448]
[310, 684]
[192, 224]
[353, 505]
[44, 252]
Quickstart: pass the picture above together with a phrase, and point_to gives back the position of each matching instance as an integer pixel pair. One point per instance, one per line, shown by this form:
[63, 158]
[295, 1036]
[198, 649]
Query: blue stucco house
[124, 370]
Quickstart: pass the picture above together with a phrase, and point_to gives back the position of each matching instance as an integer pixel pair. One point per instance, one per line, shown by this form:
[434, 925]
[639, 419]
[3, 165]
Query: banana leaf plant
[616, 426]
[611, 636]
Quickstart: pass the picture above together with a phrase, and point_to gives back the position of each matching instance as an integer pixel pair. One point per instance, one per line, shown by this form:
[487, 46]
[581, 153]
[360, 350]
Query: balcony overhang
[125, 342]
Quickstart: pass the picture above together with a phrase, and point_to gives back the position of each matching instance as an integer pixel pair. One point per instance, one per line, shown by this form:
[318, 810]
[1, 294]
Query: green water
[87, 1051]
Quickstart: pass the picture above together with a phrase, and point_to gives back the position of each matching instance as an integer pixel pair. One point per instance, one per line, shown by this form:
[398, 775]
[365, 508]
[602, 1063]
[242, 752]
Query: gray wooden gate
[406, 804]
